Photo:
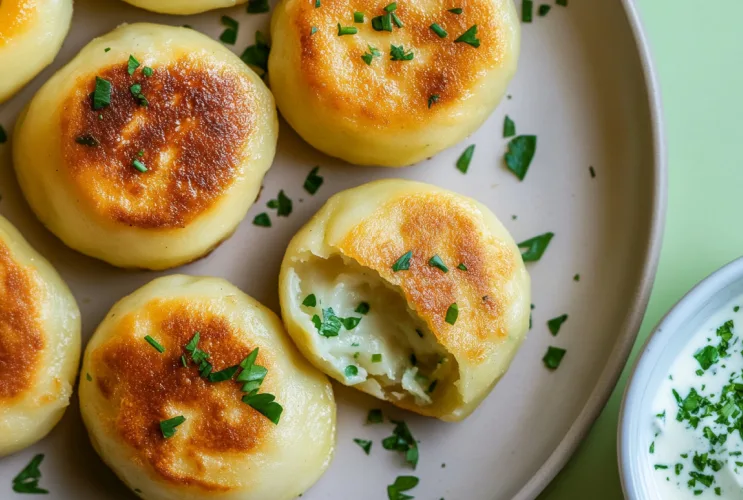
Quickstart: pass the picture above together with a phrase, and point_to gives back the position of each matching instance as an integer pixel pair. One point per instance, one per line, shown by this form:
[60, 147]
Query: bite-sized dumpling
[408, 292]
[146, 150]
[31, 34]
[184, 7]
[176, 405]
[39, 343]
[397, 87]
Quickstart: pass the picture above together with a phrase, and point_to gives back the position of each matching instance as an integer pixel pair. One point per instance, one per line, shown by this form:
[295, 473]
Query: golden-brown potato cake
[346, 96]
[225, 448]
[184, 7]
[429, 292]
[31, 34]
[39, 343]
[164, 172]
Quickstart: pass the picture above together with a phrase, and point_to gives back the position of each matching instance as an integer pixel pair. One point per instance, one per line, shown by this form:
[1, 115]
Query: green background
[698, 52]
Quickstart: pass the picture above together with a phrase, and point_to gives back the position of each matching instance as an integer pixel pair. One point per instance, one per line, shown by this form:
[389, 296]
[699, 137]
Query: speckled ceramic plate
[585, 88]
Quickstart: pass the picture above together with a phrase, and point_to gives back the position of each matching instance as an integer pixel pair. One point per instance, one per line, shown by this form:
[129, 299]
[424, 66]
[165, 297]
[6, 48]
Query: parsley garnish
[555, 323]
[317, 4]
[469, 37]
[257, 55]
[283, 203]
[397, 53]
[198, 356]
[553, 357]
[347, 30]
[461, 266]
[350, 323]
[27, 481]
[369, 56]
[527, 8]
[102, 93]
[401, 484]
[167, 427]
[402, 440]
[576, 277]
[433, 99]
[330, 326]
[147, 71]
[562, 3]
[509, 127]
[223, 375]
[229, 35]
[252, 375]
[441, 32]
[136, 91]
[452, 313]
[365, 445]
[154, 343]
[520, 153]
[313, 181]
[132, 65]
[436, 262]
[463, 163]
[258, 6]
[375, 417]
[707, 356]
[266, 405]
[262, 220]
[535, 247]
[362, 308]
[87, 140]
[310, 300]
[544, 9]
[403, 263]
[88, 377]
[376, 358]
[313, 30]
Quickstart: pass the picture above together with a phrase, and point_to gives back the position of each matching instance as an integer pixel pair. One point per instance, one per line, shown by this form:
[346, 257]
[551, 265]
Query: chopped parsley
[374, 417]
[463, 163]
[402, 440]
[562, 3]
[102, 93]
[27, 481]
[358, 17]
[441, 32]
[452, 314]
[469, 37]
[397, 53]
[330, 325]
[436, 262]
[132, 65]
[555, 323]
[256, 55]
[535, 247]
[136, 90]
[154, 343]
[462, 267]
[87, 140]
[351, 371]
[707, 356]
[224, 375]
[544, 9]
[350, 323]
[258, 6]
[362, 308]
[229, 35]
[282, 203]
[369, 56]
[252, 375]
[433, 99]
[527, 10]
[262, 220]
[403, 263]
[365, 445]
[167, 427]
[576, 277]
[317, 4]
[553, 357]
[313, 181]
[310, 300]
[509, 127]
[401, 484]
[347, 30]
[520, 153]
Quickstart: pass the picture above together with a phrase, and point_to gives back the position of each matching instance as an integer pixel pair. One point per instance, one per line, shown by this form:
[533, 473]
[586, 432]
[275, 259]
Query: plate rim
[630, 329]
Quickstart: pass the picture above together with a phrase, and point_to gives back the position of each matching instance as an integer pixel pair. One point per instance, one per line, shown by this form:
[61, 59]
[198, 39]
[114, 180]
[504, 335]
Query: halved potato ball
[39, 343]
[176, 405]
[184, 7]
[31, 34]
[410, 80]
[408, 292]
[146, 150]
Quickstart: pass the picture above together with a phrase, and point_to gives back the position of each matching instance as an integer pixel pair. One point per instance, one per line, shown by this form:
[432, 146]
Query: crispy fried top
[389, 91]
[145, 387]
[21, 337]
[16, 16]
[440, 224]
[191, 138]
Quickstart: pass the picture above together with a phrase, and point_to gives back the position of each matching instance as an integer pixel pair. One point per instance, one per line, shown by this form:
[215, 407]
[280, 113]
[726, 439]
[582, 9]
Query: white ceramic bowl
[653, 365]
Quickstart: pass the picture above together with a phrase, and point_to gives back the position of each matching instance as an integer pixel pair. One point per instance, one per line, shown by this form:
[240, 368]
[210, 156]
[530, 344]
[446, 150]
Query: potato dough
[39, 343]
[387, 112]
[183, 7]
[203, 125]
[408, 348]
[225, 449]
[31, 34]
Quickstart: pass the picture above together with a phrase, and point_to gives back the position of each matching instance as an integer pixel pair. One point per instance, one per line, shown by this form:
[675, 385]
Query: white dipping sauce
[697, 451]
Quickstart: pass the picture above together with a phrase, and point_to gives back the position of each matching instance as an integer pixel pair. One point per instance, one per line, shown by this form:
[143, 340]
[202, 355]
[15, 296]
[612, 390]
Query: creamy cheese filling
[388, 345]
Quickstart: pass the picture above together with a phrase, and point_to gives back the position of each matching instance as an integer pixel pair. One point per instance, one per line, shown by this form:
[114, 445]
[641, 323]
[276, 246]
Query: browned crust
[396, 91]
[144, 387]
[21, 337]
[192, 135]
[438, 224]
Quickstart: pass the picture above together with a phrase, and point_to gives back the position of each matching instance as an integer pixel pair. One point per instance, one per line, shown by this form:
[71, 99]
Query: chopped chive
[462, 266]
[27, 481]
[365, 445]
[452, 314]
[403, 263]
[376, 358]
[310, 300]
[527, 10]
[521, 150]
[313, 30]
[469, 37]
[184, 362]
[102, 93]
[441, 32]
[436, 261]
[358, 17]
[154, 343]
[258, 6]
[317, 4]
[351, 371]
[509, 127]
[262, 220]
[139, 166]
[397, 53]
[107, 49]
[347, 30]
[456, 10]
[535, 247]
[463, 163]
[382, 23]
[167, 427]
[396, 20]
[544, 9]
[553, 357]
[132, 65]
[433, 99]
[86, 140]
[555, 323]
[362, 308]
[391, 7]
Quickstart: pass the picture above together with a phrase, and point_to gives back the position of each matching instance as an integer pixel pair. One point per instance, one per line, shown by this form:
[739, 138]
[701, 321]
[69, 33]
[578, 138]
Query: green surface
[697, 51]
